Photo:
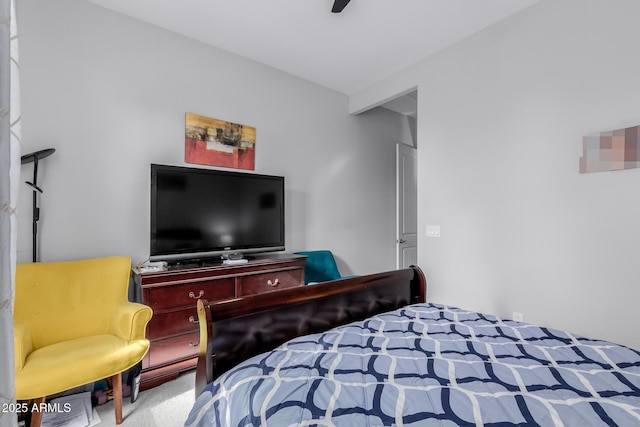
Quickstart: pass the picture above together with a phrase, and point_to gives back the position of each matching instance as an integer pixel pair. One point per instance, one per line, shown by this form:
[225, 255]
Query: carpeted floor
[164, 406]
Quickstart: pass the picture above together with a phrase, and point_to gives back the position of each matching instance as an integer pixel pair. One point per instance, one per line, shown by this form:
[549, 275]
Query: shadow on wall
[343, 267]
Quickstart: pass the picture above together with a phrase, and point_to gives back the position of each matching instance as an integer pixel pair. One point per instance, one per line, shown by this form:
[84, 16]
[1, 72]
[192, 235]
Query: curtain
[9, 181]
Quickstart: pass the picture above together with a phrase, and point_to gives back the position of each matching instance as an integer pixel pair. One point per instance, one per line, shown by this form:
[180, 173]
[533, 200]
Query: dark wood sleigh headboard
[234, 330]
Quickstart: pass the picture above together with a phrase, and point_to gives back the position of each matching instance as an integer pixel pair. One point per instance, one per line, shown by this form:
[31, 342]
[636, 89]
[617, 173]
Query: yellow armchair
[73, 325]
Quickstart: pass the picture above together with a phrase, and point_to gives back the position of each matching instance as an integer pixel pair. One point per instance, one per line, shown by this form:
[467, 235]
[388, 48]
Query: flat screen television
[206, 214]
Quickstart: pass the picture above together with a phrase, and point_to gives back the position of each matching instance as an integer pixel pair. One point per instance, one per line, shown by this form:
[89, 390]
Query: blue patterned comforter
[428, 364]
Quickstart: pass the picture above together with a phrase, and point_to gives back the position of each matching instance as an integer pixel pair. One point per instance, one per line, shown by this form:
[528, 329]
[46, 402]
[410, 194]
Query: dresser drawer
[172, 323]
[186, 295]
[173, 349]
[265, 282]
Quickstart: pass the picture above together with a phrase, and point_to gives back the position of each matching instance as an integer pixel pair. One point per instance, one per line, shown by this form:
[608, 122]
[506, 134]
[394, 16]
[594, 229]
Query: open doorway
[406, 206]
[406, 182]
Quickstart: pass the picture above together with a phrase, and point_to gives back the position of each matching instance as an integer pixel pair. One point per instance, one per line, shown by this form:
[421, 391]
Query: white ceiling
[368, 41]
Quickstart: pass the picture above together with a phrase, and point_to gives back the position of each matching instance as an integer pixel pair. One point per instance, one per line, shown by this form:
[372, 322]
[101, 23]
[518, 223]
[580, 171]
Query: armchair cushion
[74, 324]
[70, 364]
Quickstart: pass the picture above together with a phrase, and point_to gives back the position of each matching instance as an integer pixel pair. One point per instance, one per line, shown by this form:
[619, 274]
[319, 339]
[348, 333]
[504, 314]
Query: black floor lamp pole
[28, 158]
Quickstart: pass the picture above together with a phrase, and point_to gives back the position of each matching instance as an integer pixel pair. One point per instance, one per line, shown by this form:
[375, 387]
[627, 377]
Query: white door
[407, 206]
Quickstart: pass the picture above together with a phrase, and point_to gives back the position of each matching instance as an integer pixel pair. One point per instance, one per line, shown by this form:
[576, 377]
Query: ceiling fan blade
[338, 5]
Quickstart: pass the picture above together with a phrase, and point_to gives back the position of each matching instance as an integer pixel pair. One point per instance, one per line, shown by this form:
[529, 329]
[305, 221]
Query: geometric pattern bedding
[428, 364]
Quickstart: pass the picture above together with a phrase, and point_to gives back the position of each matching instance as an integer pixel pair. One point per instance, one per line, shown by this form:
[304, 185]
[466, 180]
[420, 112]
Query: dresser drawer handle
[274, 283]
[193, 320]
[194, 296]
[192, 344]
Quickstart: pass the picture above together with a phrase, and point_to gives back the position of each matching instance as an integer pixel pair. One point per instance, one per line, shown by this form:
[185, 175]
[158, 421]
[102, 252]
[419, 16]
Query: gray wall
[501, 118]
[110, 94]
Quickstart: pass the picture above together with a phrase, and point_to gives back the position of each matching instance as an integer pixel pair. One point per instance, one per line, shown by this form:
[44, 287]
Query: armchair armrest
[21, 343]
[130, 320]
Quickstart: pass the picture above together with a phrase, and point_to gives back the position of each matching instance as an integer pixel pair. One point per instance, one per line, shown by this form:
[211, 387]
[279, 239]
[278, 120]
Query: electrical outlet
[518, 317]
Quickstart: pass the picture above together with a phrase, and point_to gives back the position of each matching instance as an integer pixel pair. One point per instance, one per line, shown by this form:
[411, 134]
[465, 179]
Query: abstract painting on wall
[215, 142]
[612, 150]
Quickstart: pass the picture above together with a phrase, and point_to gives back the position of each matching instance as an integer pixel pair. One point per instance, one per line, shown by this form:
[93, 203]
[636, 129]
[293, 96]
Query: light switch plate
[433, 231]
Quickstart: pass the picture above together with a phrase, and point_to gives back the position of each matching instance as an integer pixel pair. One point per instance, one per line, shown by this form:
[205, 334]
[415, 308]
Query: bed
[369, 351]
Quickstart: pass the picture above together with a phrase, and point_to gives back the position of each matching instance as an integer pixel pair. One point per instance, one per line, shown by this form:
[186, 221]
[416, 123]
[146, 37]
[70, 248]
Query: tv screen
[204, 213]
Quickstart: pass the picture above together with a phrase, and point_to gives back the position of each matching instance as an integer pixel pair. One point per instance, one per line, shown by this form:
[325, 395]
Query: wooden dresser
[172, 294]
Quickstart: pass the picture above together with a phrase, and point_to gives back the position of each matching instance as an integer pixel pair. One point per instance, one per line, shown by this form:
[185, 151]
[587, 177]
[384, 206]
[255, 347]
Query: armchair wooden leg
[36, 416]
[116, 381]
